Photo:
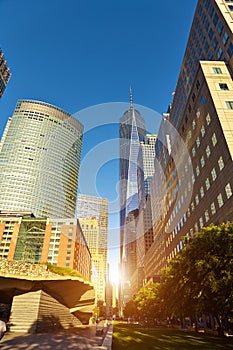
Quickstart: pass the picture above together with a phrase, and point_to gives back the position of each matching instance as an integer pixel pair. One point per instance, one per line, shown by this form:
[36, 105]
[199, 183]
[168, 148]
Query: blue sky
[76, 54]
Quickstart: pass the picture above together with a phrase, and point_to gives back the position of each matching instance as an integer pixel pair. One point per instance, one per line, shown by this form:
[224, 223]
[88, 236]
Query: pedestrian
[2, 328]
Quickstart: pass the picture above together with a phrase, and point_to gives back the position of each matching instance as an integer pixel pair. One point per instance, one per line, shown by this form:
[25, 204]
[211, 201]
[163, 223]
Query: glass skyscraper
[132, 133]
[39, 160]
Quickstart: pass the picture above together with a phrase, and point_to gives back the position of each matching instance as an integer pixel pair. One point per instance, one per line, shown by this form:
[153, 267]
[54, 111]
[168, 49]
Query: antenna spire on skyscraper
[131, 97]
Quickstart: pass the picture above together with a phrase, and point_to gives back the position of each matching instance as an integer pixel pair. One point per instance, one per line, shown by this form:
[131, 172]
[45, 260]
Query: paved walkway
[83, 337]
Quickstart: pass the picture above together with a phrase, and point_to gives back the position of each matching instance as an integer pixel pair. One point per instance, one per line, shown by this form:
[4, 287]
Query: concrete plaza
[83, 337]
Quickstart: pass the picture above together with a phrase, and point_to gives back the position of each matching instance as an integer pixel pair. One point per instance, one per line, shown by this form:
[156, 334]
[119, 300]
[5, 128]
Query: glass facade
[39, 160]
[132, 132]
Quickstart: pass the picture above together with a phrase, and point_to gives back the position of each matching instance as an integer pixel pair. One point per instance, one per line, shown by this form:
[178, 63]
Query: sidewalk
[83, 337]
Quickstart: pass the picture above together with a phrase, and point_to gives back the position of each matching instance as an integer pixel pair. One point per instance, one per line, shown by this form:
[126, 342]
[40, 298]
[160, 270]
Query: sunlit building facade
[39, 160]
[40, 240]
[93, 216]
[196, 190]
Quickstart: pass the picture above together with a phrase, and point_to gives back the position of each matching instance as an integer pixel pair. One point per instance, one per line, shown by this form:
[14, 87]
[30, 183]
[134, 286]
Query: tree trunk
[220, 327]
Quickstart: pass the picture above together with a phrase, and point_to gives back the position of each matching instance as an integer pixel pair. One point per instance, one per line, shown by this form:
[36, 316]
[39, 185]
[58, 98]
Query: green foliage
[147, 301]
[64, 271]
[200, 279]
[130, 309]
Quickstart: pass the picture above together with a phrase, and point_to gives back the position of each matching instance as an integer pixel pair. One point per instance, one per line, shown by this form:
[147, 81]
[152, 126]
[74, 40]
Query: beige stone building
[93, 216]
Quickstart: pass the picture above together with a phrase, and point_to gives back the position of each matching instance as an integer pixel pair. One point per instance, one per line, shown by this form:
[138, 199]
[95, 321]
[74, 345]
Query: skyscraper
[144, 230]
[4, 73]
[93, 216]
[39, 160]
[196, 190]
[132, 132]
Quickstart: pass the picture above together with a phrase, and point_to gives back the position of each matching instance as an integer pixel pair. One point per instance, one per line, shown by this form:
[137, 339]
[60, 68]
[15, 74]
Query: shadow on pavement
[83, 337]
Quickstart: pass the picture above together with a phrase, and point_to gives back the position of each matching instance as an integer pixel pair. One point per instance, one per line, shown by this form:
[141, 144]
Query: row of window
[207, 214]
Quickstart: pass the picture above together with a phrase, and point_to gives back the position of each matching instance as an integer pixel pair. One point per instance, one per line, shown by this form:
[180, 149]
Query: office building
[40, 240]
[93, 216]
[4, 73]
[39, 161]
[196, 187]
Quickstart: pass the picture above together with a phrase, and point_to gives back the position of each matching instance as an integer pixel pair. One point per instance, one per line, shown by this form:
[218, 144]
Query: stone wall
[22, 268]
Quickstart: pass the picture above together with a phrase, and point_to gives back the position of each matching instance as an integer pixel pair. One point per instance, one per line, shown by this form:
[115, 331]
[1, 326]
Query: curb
[107, 343]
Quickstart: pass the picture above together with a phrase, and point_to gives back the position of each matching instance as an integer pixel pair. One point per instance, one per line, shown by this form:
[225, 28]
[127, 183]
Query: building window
[198, 142]
[207, 4]
[230, 7]
[214, 139]
[202, 100]
[211, 33]
[215, 19]
[194, 124]
[210, 56]
[197, 170]
[217, 70]
[202, 161]
[219, 53]
[206, 48]
[213, 209]
[214, 174]
[197, 199]
[228, 190]
[207, 183]
[201, 222]
[193, 151]
[202, 192]
[208, 119]
[202, 131]
[215, 43]
[225, 38]
[229, 104]
[208, 151]
[220, 200]
[192, 206]
[211, 11]
[221, 163]
[220, 28]
[223, 86]
[207, 216]
[230, 49]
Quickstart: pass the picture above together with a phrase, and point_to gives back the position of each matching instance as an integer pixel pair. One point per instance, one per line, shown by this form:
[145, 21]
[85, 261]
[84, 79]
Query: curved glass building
[39, 160]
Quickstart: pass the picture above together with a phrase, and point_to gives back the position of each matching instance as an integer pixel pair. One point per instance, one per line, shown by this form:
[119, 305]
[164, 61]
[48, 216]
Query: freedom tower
[132, 132]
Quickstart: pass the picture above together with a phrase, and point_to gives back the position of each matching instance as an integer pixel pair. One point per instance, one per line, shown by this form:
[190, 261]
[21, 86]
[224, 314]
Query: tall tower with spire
[132, 132]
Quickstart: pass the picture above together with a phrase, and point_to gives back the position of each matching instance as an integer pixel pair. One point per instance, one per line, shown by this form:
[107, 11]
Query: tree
[200, 279]
[130, 309]
[148, 302]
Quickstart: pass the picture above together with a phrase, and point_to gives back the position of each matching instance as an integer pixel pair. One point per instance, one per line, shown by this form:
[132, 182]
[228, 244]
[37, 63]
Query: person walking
[2, 328]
